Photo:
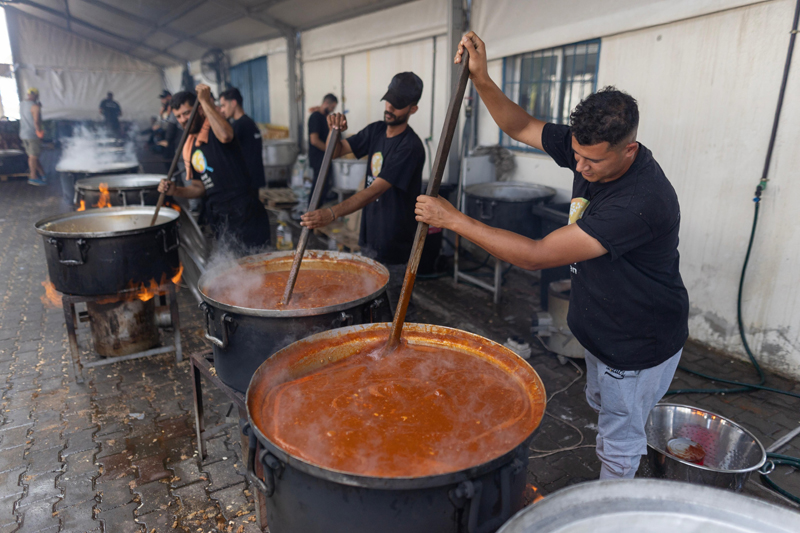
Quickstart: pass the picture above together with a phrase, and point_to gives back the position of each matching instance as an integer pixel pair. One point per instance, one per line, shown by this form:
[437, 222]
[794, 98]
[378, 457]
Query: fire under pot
[126, 327]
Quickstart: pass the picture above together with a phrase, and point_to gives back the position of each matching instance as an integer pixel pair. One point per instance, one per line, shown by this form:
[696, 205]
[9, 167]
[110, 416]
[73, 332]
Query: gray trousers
[396, 275]
[624, 399]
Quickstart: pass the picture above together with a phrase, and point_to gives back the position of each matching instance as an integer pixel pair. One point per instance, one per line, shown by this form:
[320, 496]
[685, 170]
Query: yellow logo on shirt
[377, 164]
[576, 209]
[199, 161]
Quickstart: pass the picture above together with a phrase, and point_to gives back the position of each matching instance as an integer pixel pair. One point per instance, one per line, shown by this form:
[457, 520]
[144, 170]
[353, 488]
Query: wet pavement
[117, 453]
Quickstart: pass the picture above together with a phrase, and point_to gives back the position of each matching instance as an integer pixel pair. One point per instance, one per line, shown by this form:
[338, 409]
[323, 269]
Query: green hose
[778, 459]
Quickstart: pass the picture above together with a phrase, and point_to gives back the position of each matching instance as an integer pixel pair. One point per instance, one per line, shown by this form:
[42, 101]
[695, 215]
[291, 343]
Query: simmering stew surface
[418, 411]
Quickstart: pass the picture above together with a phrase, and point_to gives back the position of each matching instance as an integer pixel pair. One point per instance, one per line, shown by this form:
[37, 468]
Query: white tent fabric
[396, 25]
[512, 27]
[73, 74]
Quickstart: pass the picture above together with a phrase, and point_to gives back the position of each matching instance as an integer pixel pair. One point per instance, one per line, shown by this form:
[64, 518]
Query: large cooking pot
[105, 251]
[243, 337]
[305, 497]
[279, 153]
[637, 505]
[348, 174]
[507, 205]
[70, 173]
[123, 189]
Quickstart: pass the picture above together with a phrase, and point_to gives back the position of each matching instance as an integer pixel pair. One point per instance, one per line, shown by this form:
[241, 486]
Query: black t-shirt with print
[246, 132]
[222, 169]
[388, 224]
[317, 123]
[628, 307]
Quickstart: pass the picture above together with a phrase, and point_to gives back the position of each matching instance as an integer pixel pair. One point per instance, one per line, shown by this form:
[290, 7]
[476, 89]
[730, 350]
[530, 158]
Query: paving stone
[42, 487]
[233, 502]
[222, 474]
[185, 472]
[80, 441]
[11, 458]
[151, 469]
[153, 497]
[176, 427]
[145, 446]
[44, 461]
[111, 444]
[158, 521]
[46, 439]
[243, 524]
[15, 418]
[12, 438]
[114, 467]
[178, 450]
[114, 493]
[38, 517]
[79, 518]
[76, 490]
[193, 499]
[120, 519]
[81, 465]
[10, 486]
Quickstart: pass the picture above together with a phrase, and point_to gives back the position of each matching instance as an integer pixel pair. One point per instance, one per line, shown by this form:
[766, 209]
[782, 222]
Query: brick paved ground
[116, 454]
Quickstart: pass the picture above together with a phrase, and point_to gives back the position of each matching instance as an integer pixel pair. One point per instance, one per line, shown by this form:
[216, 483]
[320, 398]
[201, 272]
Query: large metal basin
[304, 497]
[105, 251]
[652, 506]
[123, 189]
[243, 338]
[279, 153]
[507, 205]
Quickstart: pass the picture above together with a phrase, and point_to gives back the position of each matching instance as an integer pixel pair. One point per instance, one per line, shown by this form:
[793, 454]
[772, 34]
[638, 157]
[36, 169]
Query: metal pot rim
[112, 167]
[389, 483]
[703, 467]
[475, 190]
[291, 313]
[146, 209]
[93, 183]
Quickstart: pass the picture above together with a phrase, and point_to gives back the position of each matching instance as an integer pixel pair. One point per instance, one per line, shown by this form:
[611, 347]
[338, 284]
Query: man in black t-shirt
[317, 135]
[215, 168]
[628, 305]
[111, 112]
[246, 133]
[394, 179]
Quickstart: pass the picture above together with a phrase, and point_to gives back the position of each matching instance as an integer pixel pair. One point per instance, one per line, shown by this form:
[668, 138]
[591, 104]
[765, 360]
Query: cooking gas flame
[51, 298]
[105, 197]
[83, 206]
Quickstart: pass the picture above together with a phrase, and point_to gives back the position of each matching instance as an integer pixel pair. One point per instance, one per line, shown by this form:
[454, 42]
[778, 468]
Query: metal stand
[202, 367]
[498, 276]
[72, 318]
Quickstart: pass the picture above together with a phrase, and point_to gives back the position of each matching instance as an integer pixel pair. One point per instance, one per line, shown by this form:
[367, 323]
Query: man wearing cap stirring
[394, 179]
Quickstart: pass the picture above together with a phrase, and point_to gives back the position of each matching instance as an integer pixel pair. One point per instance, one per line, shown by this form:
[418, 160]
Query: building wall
[707, 89]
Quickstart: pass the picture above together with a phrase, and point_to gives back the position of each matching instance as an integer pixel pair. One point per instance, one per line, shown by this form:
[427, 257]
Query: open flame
[105, 197]
[178, 275]
[144, 291]
[51, 298]
[531, 495]
[176, 207]
[83, 206]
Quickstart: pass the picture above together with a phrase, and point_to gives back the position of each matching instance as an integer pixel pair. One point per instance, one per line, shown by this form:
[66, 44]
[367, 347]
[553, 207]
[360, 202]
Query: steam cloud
[88, 151]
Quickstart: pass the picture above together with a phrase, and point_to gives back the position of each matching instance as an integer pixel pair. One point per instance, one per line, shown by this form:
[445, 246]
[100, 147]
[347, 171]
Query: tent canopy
[170, 32]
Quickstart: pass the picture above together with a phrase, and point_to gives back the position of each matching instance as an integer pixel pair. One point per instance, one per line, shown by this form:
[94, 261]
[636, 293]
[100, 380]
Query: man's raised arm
[510, 117]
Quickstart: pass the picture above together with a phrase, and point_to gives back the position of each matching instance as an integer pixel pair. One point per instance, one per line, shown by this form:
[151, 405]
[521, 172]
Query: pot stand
[71, 317]
[498, 277]
[202, 366]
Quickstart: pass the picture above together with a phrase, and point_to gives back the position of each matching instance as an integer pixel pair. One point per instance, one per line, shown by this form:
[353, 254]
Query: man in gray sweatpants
[628, 307]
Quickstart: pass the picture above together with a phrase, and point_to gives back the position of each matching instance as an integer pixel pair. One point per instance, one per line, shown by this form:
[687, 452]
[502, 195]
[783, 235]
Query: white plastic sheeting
[73, 74]
[514, 26]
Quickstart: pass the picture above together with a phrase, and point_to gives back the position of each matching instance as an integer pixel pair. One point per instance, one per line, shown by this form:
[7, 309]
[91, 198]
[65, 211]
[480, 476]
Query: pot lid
[109, 222]
[511, 191]
[99, 169]
[121, 182]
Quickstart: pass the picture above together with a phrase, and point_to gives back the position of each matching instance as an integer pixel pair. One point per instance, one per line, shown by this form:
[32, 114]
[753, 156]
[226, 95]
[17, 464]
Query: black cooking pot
[69, 175]
[243, 338]
[123, 189]
[105, 251]
[507, 205]
[303, 497]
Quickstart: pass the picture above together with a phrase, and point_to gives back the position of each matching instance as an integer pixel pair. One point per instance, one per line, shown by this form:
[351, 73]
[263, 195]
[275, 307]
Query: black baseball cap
[164, 94]
[404, 90]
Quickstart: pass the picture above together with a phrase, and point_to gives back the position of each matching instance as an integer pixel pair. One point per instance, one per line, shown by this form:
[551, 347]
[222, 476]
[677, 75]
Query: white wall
[73, 75]
[707, 89]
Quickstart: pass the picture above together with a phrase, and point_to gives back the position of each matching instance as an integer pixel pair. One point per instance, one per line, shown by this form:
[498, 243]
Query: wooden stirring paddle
[175, 158]
[450, 122]
[312, 206]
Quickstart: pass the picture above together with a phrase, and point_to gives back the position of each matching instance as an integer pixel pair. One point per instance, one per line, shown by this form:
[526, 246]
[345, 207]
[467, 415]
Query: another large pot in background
[278, 156]
[507, 205]
[104, 251]
[243, 338]
[304, 497]
[123, 189]
[637, 505]
[349, 173]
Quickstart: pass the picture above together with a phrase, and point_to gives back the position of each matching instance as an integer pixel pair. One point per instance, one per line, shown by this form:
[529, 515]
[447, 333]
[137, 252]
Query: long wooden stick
[313, 204]
[175, 158]
[450, 122]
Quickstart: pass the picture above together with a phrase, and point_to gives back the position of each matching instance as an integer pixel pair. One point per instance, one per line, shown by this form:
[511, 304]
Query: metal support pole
[292, 49]
[456, 25]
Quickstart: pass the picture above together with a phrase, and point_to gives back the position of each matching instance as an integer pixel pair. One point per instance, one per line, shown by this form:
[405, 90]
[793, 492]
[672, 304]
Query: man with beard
[215, 168]
[246, 133]
[317, 137]
[394, 179]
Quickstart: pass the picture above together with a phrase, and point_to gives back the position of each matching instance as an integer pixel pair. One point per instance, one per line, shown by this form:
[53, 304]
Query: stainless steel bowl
[731, 452]
[279, 153]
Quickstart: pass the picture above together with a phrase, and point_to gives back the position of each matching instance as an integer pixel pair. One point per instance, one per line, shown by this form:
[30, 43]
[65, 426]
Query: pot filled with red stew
[431, 437]
[246, 322]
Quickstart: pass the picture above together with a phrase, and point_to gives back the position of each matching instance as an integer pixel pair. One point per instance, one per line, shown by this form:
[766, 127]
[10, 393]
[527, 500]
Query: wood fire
[51, 298]
[105, 197]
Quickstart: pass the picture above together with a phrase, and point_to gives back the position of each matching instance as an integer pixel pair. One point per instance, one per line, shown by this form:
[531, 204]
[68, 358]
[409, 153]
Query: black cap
[164, 94]
[404, 90]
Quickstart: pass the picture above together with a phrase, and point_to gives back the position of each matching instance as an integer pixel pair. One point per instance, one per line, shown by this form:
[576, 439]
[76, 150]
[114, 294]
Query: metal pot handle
[226, 319]
[344, 319]
[80, 244]
[373, 307]
[483, 214]
[122, 197]
[163, 234]
[472, 491]
[767, 468]
[251, 459]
